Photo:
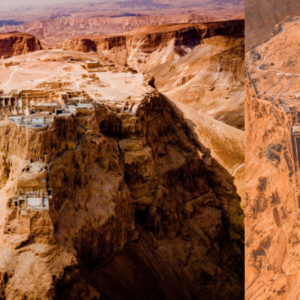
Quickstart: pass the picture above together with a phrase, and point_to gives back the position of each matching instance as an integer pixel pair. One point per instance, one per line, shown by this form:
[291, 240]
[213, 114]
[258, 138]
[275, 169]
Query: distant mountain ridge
[182, 3]
[60, 29]
[10, 23]
[220, 9]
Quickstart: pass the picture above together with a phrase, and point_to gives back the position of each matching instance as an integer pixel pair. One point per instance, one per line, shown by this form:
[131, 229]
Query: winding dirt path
[11, 75]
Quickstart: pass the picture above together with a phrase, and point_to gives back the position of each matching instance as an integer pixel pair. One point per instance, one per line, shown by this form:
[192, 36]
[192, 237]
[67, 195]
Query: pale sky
[32, 2]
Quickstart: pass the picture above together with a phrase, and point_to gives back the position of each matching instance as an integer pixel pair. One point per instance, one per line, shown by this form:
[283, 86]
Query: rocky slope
[209, 79]
[15, 43]
[262, 16]
[139, 209]
[200, 65]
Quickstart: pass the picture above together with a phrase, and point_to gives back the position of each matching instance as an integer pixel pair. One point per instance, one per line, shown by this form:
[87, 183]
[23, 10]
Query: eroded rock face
[15, 43]
[139, 209]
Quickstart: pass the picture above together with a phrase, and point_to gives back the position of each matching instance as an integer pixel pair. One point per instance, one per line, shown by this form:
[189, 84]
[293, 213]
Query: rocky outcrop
[138, 204]
[15, 43]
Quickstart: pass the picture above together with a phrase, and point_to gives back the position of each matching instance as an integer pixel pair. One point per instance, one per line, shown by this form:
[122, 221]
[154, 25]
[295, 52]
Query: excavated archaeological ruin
[108, 191]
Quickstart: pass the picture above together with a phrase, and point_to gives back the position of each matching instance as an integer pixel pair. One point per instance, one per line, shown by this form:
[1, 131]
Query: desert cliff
[140, 45]
[121, 184]
[111, 189]
[16, 43]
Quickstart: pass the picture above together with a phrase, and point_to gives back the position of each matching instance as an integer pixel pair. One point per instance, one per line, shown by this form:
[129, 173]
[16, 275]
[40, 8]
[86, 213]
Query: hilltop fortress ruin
[36, 110]
[98, 167]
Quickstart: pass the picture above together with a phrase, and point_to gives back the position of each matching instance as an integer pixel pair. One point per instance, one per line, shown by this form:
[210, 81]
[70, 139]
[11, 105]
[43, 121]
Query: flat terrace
[119, 86]
[55, 66]
[32, 122]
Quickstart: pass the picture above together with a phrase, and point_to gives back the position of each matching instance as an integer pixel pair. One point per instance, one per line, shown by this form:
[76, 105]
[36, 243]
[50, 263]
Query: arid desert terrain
[122, 156]
[272, 165]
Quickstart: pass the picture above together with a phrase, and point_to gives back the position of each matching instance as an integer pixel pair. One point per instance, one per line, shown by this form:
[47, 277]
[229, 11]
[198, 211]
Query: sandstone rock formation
[172, 52]
[16, 43]
[271, 215]
[142, 203]
[139, 209]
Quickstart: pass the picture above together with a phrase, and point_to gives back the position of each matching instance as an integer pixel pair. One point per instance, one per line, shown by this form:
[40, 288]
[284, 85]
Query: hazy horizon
[38, 2]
